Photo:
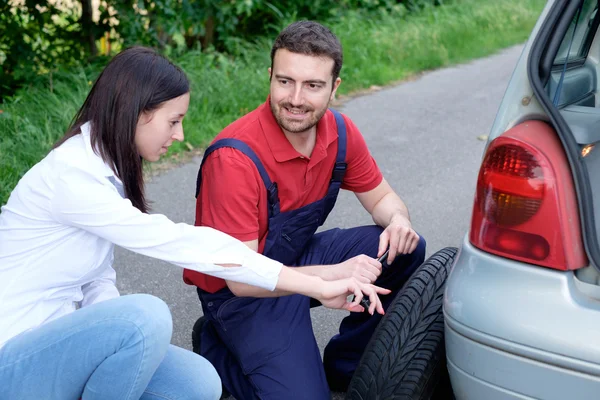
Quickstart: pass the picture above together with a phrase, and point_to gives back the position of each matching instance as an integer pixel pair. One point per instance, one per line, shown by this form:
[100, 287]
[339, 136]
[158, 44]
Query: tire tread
[403, 358]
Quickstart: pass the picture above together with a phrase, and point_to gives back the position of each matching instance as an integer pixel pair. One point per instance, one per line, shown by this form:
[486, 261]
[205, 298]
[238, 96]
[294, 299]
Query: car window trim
[572, 64]
[552, 36]
[587, 44]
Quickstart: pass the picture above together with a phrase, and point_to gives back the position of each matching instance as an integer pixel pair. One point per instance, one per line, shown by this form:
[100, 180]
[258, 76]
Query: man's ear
[336, 84]
[270, 73]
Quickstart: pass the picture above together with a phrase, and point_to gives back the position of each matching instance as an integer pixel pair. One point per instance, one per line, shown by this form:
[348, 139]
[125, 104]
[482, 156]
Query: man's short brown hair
[310, 38]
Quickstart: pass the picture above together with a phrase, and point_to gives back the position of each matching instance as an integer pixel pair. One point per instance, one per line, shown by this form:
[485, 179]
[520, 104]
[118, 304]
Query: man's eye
[173, 123]
[283, 81]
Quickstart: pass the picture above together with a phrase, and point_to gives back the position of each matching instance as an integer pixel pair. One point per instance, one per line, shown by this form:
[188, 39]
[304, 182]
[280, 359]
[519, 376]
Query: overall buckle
[338, 172]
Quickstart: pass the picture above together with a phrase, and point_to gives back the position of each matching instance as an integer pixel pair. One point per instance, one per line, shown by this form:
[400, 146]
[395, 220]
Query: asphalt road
[423, 133]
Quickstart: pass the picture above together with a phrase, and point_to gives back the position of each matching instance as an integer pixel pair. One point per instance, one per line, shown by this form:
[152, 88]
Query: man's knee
[297, 380]
[367, 238]
[413, 260]
[419, 252]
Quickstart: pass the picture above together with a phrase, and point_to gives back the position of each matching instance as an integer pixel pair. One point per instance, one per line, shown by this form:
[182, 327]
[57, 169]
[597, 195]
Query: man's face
[301, 89]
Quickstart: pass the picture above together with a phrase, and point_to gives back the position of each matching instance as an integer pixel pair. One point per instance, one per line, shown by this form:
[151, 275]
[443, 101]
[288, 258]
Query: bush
[38, 36]
[377, 51]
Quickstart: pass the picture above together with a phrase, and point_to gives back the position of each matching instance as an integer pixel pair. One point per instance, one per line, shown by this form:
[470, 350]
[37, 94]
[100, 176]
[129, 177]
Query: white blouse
[59, 228]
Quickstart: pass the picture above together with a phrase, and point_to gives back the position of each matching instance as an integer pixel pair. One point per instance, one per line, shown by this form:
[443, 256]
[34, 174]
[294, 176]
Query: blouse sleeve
[85, 201]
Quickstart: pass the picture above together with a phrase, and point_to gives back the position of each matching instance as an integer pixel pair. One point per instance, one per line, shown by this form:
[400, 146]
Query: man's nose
[296, 96]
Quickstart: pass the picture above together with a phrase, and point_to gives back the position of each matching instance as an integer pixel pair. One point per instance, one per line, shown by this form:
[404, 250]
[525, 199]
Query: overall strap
[339, 170]
[272, 193]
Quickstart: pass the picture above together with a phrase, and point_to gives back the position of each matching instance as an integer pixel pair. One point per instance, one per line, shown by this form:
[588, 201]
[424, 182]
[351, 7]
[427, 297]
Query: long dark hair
[136, 80]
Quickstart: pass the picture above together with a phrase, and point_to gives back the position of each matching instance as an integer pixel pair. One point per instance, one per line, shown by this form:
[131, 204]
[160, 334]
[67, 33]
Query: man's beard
[294, 126]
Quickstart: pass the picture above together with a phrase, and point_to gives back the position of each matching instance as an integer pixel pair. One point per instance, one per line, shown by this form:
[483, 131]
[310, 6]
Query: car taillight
[525, 206]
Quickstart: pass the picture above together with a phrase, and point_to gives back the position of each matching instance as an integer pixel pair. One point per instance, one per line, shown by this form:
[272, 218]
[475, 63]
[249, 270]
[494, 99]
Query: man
[270, 179]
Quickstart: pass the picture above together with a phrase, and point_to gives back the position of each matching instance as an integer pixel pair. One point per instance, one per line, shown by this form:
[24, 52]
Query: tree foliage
[36, 36]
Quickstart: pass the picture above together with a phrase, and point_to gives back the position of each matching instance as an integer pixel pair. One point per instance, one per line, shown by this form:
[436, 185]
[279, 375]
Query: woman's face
[157, 130]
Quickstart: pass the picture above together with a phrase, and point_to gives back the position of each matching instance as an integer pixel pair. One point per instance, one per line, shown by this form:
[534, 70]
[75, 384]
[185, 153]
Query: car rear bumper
[515, 331]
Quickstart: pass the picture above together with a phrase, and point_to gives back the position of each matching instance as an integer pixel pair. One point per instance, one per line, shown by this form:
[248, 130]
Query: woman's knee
[208, 383]
[184, 375]
[149, 315]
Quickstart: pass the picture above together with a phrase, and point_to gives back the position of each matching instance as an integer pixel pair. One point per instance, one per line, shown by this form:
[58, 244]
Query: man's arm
[383, 204]
[364, 178]
[389, 211]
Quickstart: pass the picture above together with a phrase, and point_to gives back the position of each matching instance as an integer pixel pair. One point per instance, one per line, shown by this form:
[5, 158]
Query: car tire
[406, 357]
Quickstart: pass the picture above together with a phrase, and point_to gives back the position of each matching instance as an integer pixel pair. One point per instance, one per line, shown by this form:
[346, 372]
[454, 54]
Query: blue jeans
[117, 349]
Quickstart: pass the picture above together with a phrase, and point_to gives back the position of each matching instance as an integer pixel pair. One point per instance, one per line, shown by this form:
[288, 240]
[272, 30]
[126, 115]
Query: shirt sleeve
[102, 288]
[87, 202]
[230, 194]
[362, 173]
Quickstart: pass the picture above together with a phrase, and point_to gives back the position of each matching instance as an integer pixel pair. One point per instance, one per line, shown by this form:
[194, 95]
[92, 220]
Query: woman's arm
[85, 201]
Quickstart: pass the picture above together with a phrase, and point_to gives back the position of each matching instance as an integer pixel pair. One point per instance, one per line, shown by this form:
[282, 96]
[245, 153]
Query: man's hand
[335, 295]
[363, 268]
[399, 236]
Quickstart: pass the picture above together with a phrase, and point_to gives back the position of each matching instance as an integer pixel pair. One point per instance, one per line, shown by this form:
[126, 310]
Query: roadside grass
[377, 51]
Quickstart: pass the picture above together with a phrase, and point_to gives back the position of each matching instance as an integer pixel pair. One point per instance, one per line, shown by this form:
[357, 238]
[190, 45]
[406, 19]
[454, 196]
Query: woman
[64, 331]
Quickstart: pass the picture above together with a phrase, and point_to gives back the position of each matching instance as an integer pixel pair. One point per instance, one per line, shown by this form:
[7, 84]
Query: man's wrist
[327, 273]
[399, 216]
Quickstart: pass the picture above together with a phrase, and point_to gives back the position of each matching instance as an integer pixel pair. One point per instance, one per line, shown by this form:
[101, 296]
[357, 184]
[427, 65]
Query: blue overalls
[264, 348]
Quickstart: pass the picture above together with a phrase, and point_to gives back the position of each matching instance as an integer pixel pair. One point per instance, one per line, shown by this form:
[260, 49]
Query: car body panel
[515, 330]
[485, 371]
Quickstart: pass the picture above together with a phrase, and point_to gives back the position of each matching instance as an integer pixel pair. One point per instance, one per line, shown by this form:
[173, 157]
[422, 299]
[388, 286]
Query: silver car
[522, 301]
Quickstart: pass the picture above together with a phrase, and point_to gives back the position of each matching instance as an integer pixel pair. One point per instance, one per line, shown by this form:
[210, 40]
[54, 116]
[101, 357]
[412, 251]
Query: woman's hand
[334, 294]
[361, 267]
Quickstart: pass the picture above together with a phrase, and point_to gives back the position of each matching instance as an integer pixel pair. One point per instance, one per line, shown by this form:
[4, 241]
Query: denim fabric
[116, 349]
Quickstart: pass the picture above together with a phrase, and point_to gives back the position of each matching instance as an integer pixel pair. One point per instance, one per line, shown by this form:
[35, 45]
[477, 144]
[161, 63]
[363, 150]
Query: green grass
[377, 51]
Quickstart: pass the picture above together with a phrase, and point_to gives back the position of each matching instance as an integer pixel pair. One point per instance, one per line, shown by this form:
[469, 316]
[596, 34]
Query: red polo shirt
[233, 198]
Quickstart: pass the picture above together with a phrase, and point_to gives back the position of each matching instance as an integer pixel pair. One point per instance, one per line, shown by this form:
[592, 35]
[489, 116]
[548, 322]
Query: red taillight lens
[510, 186]
[525, 206]
[522, 244]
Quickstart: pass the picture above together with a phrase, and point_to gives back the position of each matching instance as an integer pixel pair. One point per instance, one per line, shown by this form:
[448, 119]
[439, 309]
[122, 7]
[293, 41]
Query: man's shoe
[196, 335]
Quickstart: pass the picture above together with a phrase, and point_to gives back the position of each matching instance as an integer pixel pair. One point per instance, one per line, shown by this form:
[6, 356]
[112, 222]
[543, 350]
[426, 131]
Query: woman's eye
[173, 123]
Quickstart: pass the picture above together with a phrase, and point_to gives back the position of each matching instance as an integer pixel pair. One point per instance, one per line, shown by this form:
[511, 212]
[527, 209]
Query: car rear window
[583, 35]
